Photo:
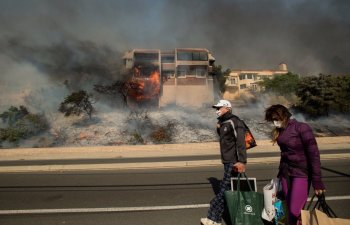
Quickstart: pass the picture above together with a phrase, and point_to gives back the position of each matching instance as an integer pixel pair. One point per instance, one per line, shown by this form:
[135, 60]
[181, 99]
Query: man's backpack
[249, 138]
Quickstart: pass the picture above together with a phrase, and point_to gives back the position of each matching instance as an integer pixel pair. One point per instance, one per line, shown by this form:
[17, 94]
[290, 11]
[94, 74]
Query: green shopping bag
[244, 207]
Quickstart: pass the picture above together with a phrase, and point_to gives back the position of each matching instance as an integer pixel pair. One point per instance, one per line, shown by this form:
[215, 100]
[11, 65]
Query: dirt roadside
[143, 151]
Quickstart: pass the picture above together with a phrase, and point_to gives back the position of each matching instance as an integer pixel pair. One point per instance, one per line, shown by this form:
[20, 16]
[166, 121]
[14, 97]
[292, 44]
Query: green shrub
[21, 124]
[77, 103]
[11, 134]
[324, 94]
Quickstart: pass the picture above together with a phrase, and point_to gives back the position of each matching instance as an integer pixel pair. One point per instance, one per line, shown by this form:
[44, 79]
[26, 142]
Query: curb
[148, 151]
[148, 165]
[144, 151]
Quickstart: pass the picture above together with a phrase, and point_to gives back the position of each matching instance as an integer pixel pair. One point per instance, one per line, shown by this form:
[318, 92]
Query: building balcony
[192, 63]
[168, 66]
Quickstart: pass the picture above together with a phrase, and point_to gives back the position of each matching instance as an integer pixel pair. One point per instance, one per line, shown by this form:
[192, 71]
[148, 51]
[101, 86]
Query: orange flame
[142, 88]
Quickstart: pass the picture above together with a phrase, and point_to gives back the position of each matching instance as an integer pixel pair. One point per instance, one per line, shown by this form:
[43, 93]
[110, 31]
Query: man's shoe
[206, 221]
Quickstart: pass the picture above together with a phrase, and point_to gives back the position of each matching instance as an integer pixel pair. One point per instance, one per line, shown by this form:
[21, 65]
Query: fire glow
[145, 88]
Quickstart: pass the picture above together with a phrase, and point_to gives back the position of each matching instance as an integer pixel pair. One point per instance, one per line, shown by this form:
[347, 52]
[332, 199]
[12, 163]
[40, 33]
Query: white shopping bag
[270, 191]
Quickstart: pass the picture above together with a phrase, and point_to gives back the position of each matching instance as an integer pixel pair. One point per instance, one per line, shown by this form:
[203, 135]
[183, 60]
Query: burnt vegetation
[118, 90]
[148, 130]
[162, 134]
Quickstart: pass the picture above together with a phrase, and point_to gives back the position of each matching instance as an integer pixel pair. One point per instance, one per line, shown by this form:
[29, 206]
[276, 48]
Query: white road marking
[334, 198]
[94, 210]
[126, 209]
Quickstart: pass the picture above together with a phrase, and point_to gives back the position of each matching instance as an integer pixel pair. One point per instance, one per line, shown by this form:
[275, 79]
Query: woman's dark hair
[277, 112]
[280, 113]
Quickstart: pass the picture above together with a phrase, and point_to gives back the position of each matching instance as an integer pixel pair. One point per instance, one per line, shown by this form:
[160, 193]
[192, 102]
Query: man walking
[233, 156]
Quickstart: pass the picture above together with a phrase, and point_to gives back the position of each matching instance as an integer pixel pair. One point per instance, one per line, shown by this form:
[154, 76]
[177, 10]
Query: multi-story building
[244, 81]
[184, 75]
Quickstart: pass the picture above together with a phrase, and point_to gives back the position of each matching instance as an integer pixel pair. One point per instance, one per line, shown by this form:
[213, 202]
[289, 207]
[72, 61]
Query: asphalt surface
[159, 184]
[146, 156]
[127, 197]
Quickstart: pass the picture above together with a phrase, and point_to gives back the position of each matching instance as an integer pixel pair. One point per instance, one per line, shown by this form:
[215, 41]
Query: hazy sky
[311, 36]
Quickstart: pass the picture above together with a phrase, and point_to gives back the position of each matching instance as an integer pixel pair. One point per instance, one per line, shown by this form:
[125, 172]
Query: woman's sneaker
[206, 221]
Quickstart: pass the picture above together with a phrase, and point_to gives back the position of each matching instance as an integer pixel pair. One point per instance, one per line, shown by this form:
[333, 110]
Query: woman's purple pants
[296, 196]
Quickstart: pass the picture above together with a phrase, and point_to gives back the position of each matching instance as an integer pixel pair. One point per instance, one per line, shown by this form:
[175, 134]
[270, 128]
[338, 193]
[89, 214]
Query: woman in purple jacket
[300, 163]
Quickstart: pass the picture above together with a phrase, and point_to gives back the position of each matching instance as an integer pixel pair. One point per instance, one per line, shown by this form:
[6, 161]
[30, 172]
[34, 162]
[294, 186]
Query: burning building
[178, 77]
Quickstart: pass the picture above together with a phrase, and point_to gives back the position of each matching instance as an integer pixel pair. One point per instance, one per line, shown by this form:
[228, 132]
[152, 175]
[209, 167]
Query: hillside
[158, 126]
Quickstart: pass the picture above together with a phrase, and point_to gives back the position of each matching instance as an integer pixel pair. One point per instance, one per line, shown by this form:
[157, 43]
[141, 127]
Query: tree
[77, 103]
[117, 89]
[322, 94]
[311, 96]
[220, 77]
[284, 85]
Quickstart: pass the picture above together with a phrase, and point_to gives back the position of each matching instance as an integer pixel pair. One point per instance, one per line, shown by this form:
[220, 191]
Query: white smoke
[23, 84]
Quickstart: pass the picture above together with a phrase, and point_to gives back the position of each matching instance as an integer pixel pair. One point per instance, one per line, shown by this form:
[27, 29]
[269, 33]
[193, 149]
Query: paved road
[120, 197]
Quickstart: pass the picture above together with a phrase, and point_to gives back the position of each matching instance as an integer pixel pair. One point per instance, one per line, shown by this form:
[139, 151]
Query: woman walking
[300, 164]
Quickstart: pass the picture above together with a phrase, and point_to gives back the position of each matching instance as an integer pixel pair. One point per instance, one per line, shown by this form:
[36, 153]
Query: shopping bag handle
[239, 183]
[239, 188]
[310, 203]
[321, 204]
[325, 207]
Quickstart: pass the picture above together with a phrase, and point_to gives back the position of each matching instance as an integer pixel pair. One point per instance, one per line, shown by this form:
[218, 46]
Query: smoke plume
[311, 36]
[50, 48]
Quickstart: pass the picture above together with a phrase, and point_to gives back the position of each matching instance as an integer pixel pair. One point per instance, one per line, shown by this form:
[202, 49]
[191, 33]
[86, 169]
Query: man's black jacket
[232, 148]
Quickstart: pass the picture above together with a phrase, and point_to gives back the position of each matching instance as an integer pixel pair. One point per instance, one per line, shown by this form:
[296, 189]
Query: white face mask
[277, 123]
[218, 113]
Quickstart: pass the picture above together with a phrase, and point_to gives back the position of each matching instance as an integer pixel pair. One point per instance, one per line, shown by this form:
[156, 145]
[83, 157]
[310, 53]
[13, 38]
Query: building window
[254, 87]
[168, 59]
[200, 56]
[249, 76]
[197, 71]
[242, 76]
[181, 73]
[184, 56]
[146, 57]
[192, 56]
[195, 56]
[145, 71]
[243, 86]
[201, 71]
[232, 81]
[168, 73]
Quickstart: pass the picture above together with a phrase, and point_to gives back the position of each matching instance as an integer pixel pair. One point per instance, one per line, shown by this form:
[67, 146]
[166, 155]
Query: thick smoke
[51, 48]
[80, 43]
[311, 36]
[46, 74]
[74, 63]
